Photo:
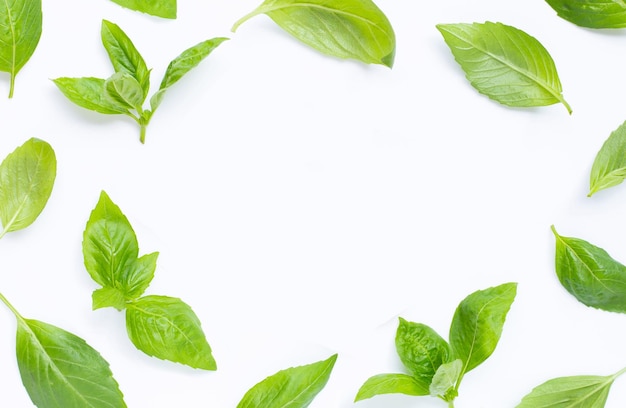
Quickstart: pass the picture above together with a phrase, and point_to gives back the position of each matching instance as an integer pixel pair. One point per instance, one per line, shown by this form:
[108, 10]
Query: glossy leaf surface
[609, 166]
[355, 29]
[391, 384]
[293, 387]
[168, 329]
[26, 179]
[505, 64]
[590, 274]
[159, 8]
[591, 13]
[89, 93]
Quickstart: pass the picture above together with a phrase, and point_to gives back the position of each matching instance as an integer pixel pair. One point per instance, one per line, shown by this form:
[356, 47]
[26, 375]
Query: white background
[301, 203]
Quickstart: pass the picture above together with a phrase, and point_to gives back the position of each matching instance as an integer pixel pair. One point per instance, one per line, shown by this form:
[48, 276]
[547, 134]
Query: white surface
[301, 203]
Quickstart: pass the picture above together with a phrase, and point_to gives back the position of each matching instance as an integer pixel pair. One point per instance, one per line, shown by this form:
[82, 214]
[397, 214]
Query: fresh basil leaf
[609, 166]
[585, 391]
[89, 93]
[445, 379]
[293, 387]
[355, 29]
[185, 62]
[108, 297]
[123, 54]
[60, 370]
[26, 179]
[391, 384]
[505, 64]
[477, 324]
[590, 274]
[21, 22]
[158, 8]
[167, 328]
[124, 90]
[421, 349]
[591, 13]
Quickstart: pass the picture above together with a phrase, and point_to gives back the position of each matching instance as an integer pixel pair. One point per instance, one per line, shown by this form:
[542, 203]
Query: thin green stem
[10, 306]
[142, 132]
[245, 18]
[12, 86]
[451, 404]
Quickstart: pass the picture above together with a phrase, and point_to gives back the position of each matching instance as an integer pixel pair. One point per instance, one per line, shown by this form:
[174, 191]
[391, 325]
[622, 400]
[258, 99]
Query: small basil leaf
[185, 62]
[26, 180]
[588, 391]
[293, 387]
[445, 380]
[168, 329]
[60, 370]
[590, 274]
[477, 324]
[21, 22]
[355, 29]
[141, 274]
[505, 64]
[108, 297]
[123, 54]
[609, 166]
[89, 93]
[124, 90]
[591, 13]
[391, 384]
[158, 8]
[421, 349]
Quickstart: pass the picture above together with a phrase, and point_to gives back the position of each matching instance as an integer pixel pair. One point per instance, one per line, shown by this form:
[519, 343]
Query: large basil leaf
[20, 30]
[159, 8]
[421, 349]
[609, 166]
[505, 64]
[584, 391]
[293, 387]
[60, 370]
[477, 324]
[355, 29]
[391, 384]
[167, 328]
[591, 13]
[26, 179]
[89, 93]
[590, 274]
[123, 54]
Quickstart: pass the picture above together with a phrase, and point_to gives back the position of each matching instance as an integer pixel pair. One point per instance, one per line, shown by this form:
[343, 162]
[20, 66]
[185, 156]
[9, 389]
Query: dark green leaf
[477, 324]
[421, 349]
[26, 179]
[505, 64]
[60, 370]
[355, 29]
[391, 384]
[609, 166]
[168, 329]
[124, 90]
[21, 22]
[591, 13]
[89, 93]
[159, 8]
[294, 387]
[590, 274]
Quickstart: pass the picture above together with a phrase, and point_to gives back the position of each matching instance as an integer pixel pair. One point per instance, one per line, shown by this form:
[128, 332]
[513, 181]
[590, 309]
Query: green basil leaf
[591, 13]
[21, 22]
[505, 64]
[391, 384]
[60, 370]
[585, 391]
[477, 324]
[421, 349]
[89, 93]
[445, 380]
[293, 387]
[185, 62]
[355, 29]
[124, 56]
[108, 297]
[590, 274]
[609, 166]
[26, 179]
[159, 8]
[124, 90]
[168, 329]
